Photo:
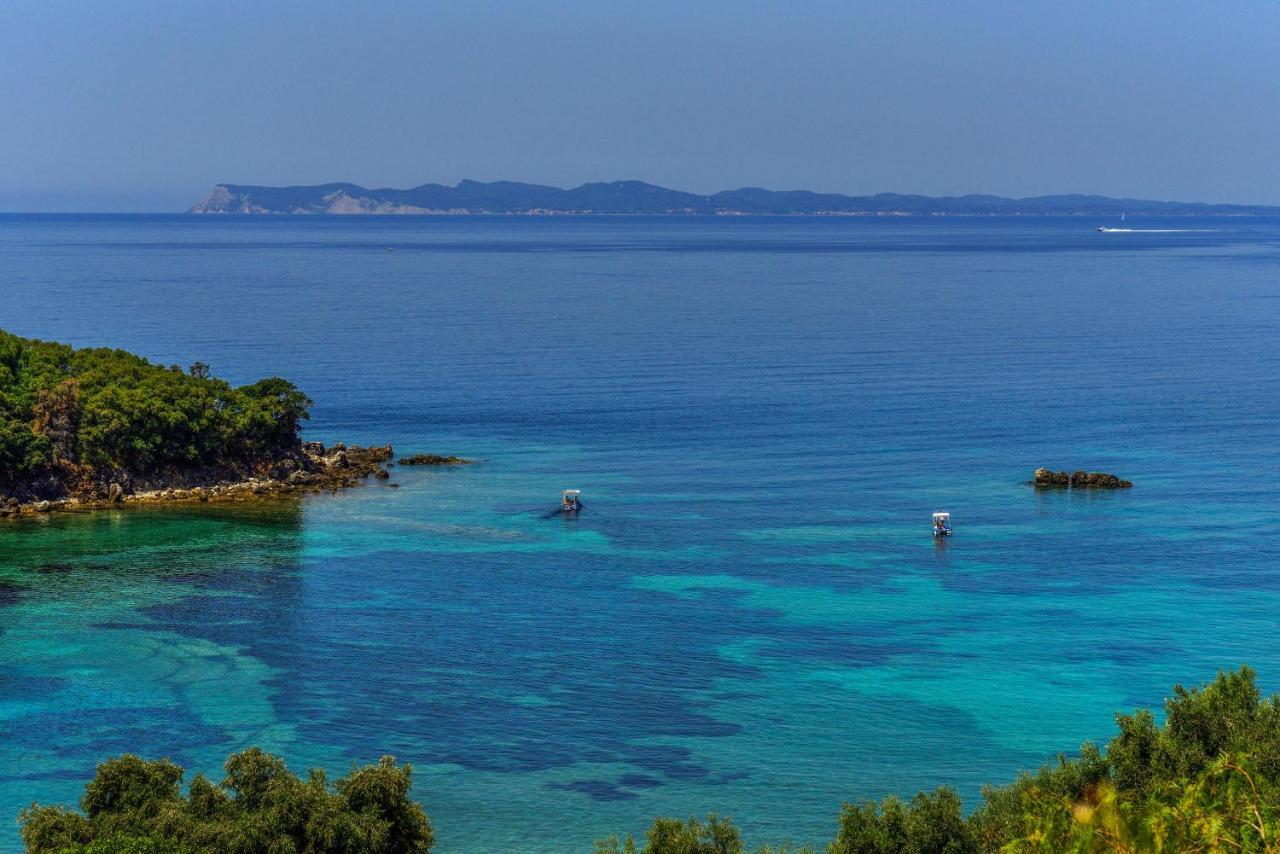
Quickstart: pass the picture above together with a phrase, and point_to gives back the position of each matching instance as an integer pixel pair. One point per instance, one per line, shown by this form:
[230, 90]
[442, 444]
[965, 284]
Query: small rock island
[1079, 479]
[433, 460]
[87, 428]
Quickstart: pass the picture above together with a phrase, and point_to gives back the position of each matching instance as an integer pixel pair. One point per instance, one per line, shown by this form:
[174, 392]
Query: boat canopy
[571, 493]
[941, 517]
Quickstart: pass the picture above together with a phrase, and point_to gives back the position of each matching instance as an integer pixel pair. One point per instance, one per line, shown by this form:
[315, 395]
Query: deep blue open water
[750, 616]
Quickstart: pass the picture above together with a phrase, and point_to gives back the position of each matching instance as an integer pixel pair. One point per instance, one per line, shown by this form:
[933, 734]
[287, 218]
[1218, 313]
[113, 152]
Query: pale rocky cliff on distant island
[224, 200]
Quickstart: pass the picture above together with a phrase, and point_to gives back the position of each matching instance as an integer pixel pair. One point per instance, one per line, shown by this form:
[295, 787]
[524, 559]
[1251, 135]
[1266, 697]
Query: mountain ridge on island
[640, 198]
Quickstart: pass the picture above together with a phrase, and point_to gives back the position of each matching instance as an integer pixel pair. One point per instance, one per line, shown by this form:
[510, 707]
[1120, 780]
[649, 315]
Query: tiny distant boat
[942, 524]
[1104, 229]
[571, 500]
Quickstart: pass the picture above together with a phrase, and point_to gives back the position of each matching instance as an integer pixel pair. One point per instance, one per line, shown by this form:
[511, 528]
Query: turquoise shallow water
[750, 616]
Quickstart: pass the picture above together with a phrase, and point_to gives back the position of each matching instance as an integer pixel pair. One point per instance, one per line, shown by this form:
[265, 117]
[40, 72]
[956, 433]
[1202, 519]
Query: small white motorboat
[942, 524]
[571, 500]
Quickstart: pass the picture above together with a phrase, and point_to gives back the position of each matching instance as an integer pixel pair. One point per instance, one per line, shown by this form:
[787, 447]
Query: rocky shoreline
[313, 468]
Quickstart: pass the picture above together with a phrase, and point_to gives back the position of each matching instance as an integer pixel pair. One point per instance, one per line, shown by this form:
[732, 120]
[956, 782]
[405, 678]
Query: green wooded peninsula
[75, 421]
[1205, 779]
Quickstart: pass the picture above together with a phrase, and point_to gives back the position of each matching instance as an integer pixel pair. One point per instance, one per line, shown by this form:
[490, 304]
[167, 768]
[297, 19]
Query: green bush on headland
[71, 416]
[1208, 780]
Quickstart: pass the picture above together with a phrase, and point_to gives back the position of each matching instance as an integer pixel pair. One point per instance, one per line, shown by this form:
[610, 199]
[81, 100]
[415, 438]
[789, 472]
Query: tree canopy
[1207, 779]
[136, 805]
[73, 412]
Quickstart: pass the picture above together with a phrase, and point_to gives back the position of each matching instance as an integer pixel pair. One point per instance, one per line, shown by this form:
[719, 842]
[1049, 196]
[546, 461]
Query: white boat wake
[1105, 230]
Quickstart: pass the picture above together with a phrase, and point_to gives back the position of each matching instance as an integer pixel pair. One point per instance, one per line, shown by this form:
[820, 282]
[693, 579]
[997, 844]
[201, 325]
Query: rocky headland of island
[83, 429]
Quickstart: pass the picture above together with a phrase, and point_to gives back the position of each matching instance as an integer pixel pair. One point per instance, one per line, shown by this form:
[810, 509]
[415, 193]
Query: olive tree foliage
[112, 410]
[136, 805]
[1228, 806]
[1206, 779]
[680, 836]
[691, 836]
[927, 824]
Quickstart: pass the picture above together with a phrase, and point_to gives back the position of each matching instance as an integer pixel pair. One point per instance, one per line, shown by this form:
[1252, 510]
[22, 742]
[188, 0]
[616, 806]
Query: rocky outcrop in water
[432, 460]
[1079, 479]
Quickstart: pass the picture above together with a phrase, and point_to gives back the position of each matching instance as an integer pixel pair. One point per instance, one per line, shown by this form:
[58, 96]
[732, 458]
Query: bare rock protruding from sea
[1079, 479]
[433, 460]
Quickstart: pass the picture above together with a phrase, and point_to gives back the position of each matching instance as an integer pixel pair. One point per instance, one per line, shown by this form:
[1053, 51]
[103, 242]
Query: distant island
[639, 198]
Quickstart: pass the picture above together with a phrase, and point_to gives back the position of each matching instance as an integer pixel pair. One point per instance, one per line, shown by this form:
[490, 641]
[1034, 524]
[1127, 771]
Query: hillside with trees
[75, 421]
[133, 805]
[1207, 779]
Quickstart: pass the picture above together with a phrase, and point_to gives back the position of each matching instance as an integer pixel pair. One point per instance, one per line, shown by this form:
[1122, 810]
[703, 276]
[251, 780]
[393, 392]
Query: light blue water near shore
[750, 616]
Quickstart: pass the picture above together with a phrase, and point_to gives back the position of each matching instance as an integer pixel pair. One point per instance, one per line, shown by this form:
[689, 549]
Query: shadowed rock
[1079, 479]
[433, 460]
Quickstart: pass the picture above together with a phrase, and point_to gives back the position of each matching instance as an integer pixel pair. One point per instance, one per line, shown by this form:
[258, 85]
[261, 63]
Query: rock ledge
[432, 460]
[312, 468]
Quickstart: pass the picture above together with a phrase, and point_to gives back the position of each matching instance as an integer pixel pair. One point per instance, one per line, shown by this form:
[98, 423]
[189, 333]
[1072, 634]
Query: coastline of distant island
[620, 198]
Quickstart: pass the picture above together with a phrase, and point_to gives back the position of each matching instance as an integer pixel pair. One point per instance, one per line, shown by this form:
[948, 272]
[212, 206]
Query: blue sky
[141, 105]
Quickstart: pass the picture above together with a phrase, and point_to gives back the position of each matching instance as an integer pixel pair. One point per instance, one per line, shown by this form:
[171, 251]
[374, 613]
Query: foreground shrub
[1207, 779]
[136, 806]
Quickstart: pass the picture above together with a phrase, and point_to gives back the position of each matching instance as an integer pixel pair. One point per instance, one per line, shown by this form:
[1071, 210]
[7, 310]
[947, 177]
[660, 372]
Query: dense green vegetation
[1207, 779]
[133, 805]
[68, 416]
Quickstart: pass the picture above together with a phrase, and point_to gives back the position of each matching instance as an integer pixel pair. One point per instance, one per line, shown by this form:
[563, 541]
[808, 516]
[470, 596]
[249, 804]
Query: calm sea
[750, 616]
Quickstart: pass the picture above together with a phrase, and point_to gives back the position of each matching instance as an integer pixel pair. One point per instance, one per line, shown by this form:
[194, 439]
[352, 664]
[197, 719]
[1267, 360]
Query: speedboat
[942, 524]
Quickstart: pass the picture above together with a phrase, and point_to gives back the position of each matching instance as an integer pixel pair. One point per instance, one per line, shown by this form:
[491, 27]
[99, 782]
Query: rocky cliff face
[340, 202]
[223, 200]
[230, 199]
